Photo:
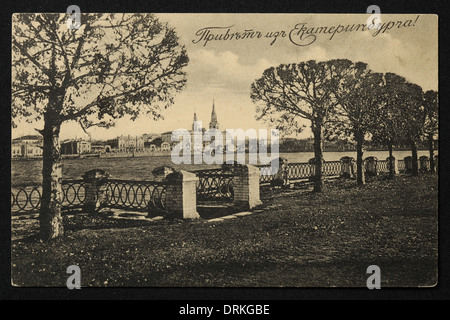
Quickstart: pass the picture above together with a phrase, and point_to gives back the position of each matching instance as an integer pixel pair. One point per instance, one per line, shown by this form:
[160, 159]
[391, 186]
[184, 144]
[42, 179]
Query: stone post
[408, 164]
[95, 182]
[161, 173]
[246, 187]
[395, 164]
[436, 162]
[424, 162]
[371, 166]
[181, 194]
[348, 167]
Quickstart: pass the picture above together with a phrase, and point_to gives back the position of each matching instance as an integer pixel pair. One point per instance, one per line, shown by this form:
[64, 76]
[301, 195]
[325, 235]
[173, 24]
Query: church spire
[214, 124]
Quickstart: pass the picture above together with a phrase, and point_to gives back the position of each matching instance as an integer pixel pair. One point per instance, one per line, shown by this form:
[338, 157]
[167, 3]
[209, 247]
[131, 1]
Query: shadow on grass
[78, 221]
[213, 211]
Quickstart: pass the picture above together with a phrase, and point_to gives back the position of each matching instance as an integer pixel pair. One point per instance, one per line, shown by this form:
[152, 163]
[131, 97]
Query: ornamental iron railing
[332, 168]
[122, 194]
[135, 195]
[215, 185]
[27, 198]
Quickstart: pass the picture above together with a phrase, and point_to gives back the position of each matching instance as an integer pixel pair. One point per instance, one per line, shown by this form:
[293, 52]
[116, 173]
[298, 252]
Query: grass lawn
[301, 239]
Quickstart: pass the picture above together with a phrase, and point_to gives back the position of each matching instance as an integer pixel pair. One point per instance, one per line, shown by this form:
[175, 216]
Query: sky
[223, 71]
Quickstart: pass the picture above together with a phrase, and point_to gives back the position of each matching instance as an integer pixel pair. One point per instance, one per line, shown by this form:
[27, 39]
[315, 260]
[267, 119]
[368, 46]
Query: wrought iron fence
[332, 168]
[266, 175]
[74, 194]
[300, 171]
[401, 166]
[383, 166]
[135, 195]
[123, 194]
[27, 199]
[215, 185]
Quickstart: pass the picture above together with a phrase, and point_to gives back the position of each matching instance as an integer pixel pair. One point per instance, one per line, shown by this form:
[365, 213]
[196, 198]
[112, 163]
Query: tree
[358, 96]
[113, 65]
[157, 142]
[413, 115]
[391, 123]
[431, 104]
[402, 116]
[288, 93]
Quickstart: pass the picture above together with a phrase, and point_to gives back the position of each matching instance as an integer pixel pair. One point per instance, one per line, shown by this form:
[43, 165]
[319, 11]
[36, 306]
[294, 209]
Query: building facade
[72, 147]
[29, 146]
[127, 144]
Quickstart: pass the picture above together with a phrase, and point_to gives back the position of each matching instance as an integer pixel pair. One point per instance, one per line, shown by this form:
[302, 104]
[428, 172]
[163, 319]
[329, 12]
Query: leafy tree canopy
[113, 65]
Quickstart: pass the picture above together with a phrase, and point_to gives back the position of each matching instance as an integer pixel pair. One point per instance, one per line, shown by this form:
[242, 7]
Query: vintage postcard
[224, 150]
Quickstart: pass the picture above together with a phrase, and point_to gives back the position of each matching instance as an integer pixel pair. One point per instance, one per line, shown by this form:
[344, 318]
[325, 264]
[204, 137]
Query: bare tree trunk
[318, 156]
[50, 218]
[431, 149]
[391, 163]
[415, 160]
[361, 179]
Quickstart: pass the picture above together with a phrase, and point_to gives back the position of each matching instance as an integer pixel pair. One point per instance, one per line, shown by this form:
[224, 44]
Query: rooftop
[29, 137]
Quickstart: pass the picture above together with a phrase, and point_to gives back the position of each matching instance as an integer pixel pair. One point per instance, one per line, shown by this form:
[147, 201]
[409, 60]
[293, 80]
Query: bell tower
[195, 120]
[214, 124]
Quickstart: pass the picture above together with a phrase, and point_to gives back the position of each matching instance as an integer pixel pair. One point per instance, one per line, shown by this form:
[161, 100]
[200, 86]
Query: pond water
[140, 168]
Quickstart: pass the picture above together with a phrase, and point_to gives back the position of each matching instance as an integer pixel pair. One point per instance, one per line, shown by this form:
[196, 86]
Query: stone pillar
[246, 187]
[348, 167]
[181, 194]
[161, 173]
[436, 162]
[95, 182]
[371, 166]
[395, 163]
[408, 164]
[424, 163]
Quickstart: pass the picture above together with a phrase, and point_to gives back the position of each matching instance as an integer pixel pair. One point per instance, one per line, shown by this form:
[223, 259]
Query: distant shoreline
[99, 156]
[168, 153]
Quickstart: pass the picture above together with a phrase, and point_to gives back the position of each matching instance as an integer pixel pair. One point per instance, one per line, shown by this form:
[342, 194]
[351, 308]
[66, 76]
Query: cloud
[223, 70]
[388, 53]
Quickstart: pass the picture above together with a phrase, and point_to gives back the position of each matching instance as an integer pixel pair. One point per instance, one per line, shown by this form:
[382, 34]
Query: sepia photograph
[224, 150]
